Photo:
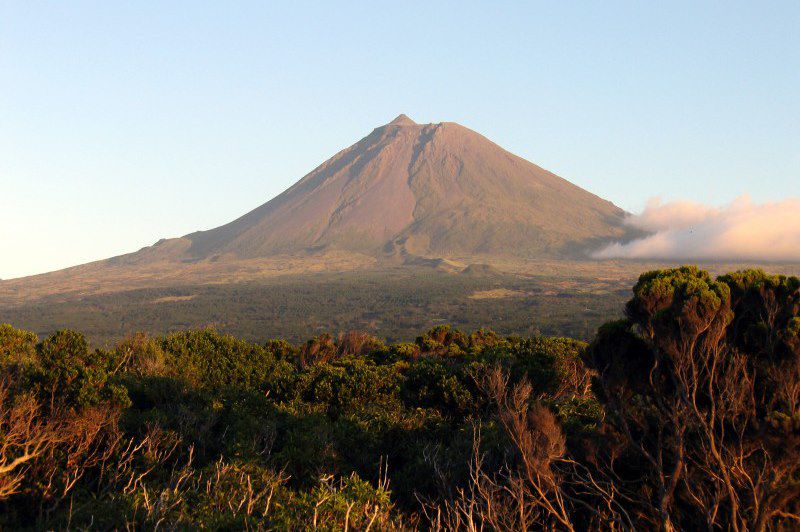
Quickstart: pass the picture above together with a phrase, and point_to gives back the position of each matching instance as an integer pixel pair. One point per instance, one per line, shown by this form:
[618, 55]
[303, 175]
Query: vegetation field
[682, 415]
[393, 304]
[564, 298]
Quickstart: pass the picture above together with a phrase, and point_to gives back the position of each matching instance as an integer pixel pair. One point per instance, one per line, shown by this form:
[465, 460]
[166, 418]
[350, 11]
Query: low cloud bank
[742, 230]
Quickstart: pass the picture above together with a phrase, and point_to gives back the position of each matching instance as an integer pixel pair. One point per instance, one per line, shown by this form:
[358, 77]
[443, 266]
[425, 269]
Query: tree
[694, 396]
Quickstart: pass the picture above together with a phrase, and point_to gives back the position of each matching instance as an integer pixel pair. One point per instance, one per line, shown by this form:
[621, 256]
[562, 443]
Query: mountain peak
[402, 120]
[424, 191]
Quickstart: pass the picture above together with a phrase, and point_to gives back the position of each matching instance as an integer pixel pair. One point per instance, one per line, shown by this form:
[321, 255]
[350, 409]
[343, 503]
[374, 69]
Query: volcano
[416, 190]
[427, 195]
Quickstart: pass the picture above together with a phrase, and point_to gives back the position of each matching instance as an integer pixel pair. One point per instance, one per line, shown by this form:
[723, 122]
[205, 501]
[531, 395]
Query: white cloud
[742, 230]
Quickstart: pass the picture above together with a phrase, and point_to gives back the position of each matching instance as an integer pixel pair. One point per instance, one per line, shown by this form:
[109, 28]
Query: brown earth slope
[419, 189]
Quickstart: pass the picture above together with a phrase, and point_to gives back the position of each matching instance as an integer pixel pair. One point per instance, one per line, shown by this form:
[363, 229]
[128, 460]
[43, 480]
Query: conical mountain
[419, 189]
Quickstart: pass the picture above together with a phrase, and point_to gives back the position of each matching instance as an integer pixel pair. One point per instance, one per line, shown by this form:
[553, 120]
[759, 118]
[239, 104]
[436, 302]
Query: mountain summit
[426, 190]
[402, 120]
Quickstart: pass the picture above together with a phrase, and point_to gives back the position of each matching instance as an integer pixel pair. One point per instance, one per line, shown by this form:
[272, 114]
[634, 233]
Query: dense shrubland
[683, 415]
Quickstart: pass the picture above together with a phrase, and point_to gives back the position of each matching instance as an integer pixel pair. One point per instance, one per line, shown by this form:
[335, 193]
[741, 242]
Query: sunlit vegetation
[685, 414]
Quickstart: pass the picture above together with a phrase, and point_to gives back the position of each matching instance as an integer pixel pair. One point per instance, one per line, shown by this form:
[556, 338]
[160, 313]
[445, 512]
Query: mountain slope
[421, 189]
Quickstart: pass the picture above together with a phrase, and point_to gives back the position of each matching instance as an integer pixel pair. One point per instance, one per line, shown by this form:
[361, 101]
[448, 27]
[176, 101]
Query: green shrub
[17, 347]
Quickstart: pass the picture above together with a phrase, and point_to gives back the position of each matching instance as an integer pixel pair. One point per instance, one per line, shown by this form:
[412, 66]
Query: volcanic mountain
[427, 195]
[416, 190]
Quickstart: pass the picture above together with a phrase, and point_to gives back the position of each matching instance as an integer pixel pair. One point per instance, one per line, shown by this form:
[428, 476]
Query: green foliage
[350, 383]
[207, 358]
[17, 347]
[329, 505]
[545, 361]
[442, 384]
[443, 340]
[766, 308]
[140, 354]
[405, 351]
[685, 298]
[79, 377]
[200, 429]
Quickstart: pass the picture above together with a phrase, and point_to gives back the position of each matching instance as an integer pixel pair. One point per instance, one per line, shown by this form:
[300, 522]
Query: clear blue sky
[125, 122]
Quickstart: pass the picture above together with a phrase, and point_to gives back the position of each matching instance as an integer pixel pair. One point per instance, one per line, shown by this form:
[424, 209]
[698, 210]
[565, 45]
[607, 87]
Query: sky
[125, 122]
